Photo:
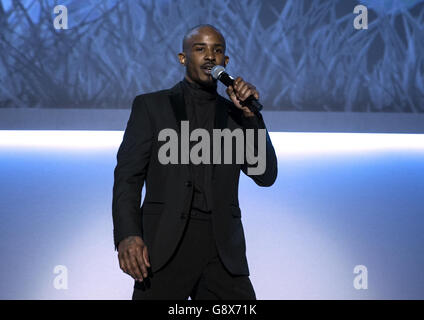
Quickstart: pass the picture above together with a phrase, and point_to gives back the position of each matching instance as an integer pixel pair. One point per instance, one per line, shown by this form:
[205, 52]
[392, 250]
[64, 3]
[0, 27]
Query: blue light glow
[340, 200]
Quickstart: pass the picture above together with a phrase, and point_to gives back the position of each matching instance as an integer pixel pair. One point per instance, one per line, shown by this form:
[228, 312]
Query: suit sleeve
[130, 173]
[270, 174]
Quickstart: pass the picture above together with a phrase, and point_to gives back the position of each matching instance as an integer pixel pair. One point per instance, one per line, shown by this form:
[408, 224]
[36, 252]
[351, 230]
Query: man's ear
[226, 59]
[182, 58]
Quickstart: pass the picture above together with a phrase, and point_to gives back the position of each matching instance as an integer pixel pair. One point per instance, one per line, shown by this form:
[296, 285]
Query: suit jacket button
[188, 183]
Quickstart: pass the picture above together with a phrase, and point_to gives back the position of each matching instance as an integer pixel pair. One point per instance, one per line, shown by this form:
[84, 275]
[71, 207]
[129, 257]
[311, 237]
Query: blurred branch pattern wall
[303, 55]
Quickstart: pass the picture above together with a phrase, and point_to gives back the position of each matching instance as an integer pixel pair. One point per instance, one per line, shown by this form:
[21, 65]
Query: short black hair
[200, 26]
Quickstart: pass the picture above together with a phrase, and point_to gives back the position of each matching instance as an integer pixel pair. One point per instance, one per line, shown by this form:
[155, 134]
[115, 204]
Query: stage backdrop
[303, 55]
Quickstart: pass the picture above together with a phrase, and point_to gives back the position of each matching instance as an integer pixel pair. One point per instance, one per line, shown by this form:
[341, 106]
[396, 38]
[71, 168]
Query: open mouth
[207, 69]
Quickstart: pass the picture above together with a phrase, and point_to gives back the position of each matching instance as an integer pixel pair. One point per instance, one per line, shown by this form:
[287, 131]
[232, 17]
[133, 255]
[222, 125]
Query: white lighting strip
[284, 142]
[323, 142]
[62, 139]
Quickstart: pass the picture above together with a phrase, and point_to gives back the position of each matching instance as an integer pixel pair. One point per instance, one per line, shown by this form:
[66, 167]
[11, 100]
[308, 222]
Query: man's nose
[210, 55]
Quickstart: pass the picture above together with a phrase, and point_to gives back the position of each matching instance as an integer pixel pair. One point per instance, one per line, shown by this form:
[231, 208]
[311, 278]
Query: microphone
[218, 73]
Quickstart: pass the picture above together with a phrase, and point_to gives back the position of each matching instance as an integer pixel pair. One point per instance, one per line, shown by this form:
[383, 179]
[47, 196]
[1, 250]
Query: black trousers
[195, 270]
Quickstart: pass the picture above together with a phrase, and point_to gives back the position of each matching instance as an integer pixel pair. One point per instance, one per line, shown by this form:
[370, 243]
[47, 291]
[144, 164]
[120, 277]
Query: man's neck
[201, 86]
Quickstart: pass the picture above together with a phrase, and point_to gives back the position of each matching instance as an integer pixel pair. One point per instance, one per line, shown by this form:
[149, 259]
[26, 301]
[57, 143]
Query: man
[187, 239]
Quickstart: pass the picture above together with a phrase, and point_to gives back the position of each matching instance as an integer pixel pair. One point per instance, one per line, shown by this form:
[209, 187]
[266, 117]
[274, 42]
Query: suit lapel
[178, 105]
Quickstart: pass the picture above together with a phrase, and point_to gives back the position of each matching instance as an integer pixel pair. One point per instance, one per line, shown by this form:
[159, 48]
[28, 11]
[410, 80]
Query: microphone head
[216, 71]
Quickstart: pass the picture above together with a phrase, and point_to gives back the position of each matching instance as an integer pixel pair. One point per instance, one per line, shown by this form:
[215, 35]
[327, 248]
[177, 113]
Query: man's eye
[199, 49]
[218, 50]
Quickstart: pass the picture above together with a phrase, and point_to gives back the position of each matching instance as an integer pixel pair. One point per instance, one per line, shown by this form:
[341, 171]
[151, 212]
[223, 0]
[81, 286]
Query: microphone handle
[250, 102]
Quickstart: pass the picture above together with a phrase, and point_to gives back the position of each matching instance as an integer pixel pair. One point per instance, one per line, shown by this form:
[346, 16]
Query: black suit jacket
[168, 188]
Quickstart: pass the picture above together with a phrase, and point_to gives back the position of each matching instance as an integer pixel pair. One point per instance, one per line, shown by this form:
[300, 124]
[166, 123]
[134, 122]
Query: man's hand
[133, 257]
[239, 92]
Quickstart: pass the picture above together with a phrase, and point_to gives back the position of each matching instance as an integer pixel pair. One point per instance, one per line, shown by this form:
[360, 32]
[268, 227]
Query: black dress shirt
[200, 106]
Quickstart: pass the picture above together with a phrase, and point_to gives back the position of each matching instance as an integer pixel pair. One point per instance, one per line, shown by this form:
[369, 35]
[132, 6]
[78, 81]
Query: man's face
[205, 48]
